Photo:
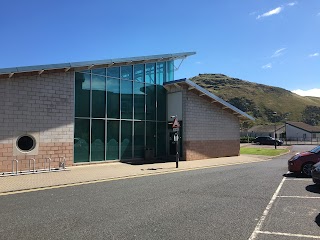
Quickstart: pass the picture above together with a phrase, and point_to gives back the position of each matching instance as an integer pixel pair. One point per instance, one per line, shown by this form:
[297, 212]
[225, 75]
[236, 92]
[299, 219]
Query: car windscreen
[315, 150]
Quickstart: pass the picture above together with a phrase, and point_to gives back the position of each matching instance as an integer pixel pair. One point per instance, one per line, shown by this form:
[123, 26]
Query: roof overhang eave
[201, 92]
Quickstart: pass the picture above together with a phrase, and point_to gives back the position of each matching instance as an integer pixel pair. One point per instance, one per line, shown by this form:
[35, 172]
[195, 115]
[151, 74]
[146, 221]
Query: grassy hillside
[258, 100]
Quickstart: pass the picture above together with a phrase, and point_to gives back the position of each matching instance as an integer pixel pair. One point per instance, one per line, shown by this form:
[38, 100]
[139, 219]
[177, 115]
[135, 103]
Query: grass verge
[263, 151]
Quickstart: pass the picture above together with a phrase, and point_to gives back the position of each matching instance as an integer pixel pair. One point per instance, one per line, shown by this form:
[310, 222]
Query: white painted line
[289, 234]
[296, 197]
[266, 211]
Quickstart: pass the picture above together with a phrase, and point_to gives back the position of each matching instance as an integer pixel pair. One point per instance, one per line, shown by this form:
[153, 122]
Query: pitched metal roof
[305, 127]
[9, 72]
[191, 86]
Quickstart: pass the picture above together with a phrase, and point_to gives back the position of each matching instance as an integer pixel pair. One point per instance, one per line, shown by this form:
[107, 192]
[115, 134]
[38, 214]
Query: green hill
[260, 101]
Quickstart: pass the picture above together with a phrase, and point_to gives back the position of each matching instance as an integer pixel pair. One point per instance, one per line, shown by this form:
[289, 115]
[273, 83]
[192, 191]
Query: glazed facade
[121, 111]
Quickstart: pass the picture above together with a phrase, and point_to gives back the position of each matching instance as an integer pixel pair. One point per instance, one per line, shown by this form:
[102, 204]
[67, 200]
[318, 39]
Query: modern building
[117, 109]
[299, 131]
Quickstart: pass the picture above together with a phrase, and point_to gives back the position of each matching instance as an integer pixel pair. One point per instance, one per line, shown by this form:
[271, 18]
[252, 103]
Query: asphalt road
[217, 203]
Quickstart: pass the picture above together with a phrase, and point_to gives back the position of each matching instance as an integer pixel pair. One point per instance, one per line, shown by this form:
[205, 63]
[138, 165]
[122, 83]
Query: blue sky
[265, 41]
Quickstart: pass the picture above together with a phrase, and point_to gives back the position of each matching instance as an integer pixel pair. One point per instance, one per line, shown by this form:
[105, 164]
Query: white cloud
[318, 14]
[292, 4]
[314, 55]
[315, 92]
[252, 13]
[271, 12]
[198, 62]
[269, 65]
[278, 53]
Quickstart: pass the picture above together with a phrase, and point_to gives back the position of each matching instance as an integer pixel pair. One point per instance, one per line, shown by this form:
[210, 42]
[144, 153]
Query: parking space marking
[289, 234]
[266, 211]
[296, 197]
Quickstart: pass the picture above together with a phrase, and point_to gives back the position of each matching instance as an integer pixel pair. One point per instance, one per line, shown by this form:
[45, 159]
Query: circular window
[26, 143]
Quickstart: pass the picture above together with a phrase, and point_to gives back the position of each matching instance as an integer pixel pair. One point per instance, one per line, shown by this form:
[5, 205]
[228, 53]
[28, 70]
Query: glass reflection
[113, 95]
[112, 150]
[81, 140]
[126, 100]
[126, 140]
[150, 73]
[126, 73]
[82, 95]
[97, 140]
[98, 96]
[139, 72]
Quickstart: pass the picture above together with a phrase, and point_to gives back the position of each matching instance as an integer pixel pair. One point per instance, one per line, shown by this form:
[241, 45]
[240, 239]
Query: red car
[303, 162]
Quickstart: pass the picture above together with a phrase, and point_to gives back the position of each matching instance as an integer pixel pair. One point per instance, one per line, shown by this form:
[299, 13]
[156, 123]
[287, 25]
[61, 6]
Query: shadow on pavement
[295, 175]
[152, 161]
[317, 220]
[314, 189]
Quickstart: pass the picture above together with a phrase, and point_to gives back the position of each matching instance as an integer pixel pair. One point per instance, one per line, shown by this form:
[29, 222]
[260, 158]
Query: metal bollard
[34, 164]
[15, 160]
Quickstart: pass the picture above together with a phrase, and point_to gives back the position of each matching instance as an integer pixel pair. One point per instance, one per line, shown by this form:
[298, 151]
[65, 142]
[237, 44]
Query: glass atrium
[121, 111]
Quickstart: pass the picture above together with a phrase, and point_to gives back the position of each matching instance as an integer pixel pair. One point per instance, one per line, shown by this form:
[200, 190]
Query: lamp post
[275, 129]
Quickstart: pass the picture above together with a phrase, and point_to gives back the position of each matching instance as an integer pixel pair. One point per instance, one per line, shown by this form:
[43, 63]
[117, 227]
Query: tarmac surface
[112, 171]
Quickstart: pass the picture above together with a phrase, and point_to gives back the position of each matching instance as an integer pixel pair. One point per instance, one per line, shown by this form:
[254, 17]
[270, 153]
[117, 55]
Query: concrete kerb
[80, 175]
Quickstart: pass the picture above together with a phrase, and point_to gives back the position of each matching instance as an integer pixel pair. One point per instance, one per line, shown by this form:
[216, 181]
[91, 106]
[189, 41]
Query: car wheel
[258, 143]
[306, 168]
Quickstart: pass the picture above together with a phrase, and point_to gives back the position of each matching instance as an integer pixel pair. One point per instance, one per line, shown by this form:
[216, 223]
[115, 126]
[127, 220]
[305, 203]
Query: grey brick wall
[42, 103]
[204, 120]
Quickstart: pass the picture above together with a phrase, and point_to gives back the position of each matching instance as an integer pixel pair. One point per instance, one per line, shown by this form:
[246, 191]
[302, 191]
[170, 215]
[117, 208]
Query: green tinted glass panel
[126, 73]
[150, 73]
[99, 71]
[82, 95]
[139, 139]
[139, 101]
[161, 103]
[161, 73]
[98, 86]
[126, 139]
[151, 101]
[126, 99]
[81, 140]
[139, 72]
[113, 72]
[113, 95]
[151, 136]
[170, 70]
[161, 139]
[97, 140]
[112, 140]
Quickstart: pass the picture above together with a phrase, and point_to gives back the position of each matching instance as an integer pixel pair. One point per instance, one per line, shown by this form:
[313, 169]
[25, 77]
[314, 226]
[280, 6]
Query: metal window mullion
[105, 120]
[156, 103]
[132, 150]
[90, 119]
[120, 121]
[145, 108]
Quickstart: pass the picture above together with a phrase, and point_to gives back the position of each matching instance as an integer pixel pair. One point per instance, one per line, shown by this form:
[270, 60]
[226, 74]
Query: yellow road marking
[125, 177]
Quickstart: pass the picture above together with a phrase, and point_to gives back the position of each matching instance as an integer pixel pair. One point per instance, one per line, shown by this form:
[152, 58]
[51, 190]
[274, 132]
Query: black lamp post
[275, 130]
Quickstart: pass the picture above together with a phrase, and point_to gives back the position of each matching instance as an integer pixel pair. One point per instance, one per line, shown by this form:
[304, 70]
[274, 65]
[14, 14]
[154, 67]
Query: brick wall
[209, 131]
[42, 104]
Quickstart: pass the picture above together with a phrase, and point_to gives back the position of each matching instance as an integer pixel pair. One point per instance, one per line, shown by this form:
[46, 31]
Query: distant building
[116, 109]
[302, 131]
[264, 131]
